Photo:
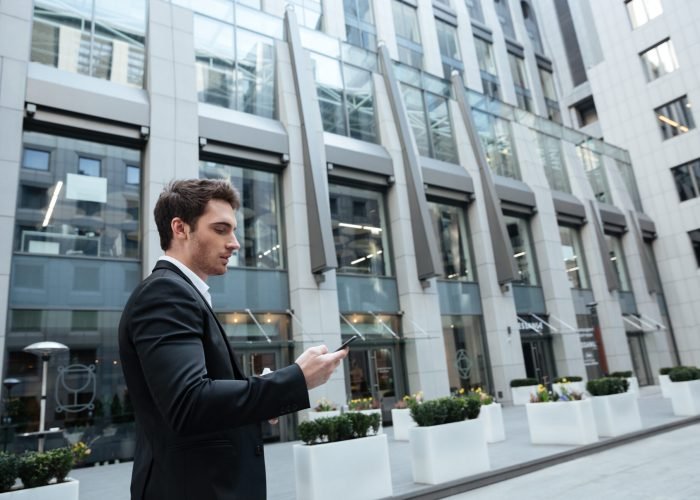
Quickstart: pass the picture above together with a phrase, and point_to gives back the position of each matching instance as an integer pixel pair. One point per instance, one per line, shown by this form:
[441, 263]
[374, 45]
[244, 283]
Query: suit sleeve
[166, 328]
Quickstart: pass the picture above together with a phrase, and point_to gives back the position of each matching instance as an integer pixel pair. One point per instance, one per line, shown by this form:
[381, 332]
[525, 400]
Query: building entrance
[372, 373]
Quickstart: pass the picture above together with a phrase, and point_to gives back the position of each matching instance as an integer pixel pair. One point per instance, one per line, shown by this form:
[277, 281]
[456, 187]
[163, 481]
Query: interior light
[52, 203]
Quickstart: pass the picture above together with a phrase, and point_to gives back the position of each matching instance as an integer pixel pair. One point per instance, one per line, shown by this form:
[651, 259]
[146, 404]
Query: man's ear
[180, 228]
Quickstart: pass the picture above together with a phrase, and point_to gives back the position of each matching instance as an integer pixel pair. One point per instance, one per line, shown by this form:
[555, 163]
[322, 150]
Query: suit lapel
[164, 264]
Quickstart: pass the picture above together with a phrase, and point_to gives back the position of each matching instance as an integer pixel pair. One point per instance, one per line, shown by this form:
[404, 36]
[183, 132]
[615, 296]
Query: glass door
[538, 359]
[640, 360]
[372, 373]
[253, 363]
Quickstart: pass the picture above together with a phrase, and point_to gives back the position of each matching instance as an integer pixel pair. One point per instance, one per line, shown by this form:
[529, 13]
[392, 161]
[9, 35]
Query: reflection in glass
[519, 233]
[35, 159]
[659, 60]
[359, 24]
[617, 257]
[573, 257]
[407, 34]
[259, 225]
[496, 140]
[241, 327]
[487, 68]
[451, 234]
[595, 171]
[467, 364]
[687, 178]
[522, 91]
[449, 47]
[627, 174]
[550, 95]
[675, 118]
[359, 230]
[643, 11]
[550, 152]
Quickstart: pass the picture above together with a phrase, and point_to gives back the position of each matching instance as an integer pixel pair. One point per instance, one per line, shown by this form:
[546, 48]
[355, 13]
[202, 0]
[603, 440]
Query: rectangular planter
[60, 491]
[569, 422]
[521, 395]
[616, 414]
[579, 387]
[401, 422]
[356, 468]
[665, 383]
[492, 416]
[685, 398]
[442, 453]
[633, 386]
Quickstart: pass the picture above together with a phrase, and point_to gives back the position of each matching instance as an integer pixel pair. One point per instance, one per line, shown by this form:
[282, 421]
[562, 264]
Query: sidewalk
[652, 462]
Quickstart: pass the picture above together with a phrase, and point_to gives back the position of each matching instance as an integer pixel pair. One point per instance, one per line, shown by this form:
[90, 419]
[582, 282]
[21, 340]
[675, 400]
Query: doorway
[537, 355]
[640, 359]
[372, 372]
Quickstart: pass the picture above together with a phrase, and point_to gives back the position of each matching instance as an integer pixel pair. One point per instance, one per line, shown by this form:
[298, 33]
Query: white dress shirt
[196, 280]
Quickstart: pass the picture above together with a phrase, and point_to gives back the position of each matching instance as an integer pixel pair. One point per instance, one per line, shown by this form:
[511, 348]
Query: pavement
[662, 461]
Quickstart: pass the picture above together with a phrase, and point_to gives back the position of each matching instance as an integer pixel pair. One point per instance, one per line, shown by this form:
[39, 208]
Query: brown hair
[187, 199]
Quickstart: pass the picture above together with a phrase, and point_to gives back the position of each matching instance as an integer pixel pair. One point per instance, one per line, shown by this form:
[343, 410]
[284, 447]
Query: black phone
[347, 342]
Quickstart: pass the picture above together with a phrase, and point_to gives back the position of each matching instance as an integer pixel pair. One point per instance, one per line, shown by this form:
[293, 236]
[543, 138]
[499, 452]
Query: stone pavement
[664, 465]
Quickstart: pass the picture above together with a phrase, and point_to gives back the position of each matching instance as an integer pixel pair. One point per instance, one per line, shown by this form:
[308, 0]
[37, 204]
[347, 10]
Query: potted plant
[43, 474]
[491, 414]
[521, 389]
[368, 406]
[324, 408]
[572, 383]
[342, 454]
[401, 415]
[615, 409]
[685, 390]
[564, 418]
[631, 380]
[449, 441]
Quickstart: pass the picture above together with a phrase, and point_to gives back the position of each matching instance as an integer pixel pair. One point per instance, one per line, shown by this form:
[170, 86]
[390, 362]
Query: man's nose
[233, 242]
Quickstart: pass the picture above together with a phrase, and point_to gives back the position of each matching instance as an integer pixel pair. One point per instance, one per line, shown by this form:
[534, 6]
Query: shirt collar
[196, 280]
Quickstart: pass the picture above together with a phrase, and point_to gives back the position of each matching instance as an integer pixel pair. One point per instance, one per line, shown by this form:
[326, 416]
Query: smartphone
[347, 342]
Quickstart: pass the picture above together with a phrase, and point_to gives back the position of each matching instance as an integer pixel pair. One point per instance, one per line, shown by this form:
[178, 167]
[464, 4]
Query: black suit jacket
[197, 416]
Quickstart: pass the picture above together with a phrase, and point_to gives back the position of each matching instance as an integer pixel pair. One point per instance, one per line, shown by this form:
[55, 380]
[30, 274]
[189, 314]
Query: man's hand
[318, 364]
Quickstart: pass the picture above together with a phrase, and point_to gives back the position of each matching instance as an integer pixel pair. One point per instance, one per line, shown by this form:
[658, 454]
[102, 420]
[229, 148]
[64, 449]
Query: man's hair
[187, 199]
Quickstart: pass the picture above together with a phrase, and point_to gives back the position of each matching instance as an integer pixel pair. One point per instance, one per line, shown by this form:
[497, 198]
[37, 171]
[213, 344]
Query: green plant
[409, 400]
[363, 404]
[542, 395]
[446, 410]
[522, 382]
[79, 450]
[684, 373]
[61, 461]
[664, 370]
[35, 469]
[324, 404]
[340, 428]
[624, 374]
[606, 386]
[8, 470]
[570, 378]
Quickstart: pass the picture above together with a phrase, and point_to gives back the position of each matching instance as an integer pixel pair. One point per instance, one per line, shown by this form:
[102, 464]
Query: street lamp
[44, 350]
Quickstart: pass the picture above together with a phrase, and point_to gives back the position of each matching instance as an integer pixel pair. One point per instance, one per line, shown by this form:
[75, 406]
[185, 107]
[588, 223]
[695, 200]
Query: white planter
[492, 416]
[665, 383]
[314, 415]
[521, 395]
[370, 412]
[633, 386]
[442, 453]
[616, 414]
[685, 398]
[568, 422]
[579, 387]
[356, 468]
[401, 422]
[59, 491]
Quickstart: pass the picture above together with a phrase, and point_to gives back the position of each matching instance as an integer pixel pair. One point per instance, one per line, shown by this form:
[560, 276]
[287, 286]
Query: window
[407, 34]
[519, 233]
[133, 175]
[675, 118]
[92, 37]
[550, 95]
[503, 13]
[359, 24]
[573, 257]
[359, 230]
[35, 159]
[642, 11]
[83, 215]
[522, 92]
[695, 241]
[464, 348]
[497, 142]
[586, 112]
[659, 60]
[687, 178]
[627, 174]
[550, 152]
[487, 68]
[449, 48]
[617, 257]
[593, 165]
[533, 31]
[259, 228]
[309, 13]
[449, 223]
[475, 11]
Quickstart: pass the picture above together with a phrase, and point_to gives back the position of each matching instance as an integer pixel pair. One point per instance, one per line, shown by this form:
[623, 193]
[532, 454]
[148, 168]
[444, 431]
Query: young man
[198, 417]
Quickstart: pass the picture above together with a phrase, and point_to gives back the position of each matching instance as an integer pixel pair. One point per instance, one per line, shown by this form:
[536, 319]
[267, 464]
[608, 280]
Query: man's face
[210, 246]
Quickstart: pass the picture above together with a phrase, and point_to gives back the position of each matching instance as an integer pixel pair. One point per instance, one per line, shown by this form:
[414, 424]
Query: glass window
[98, 38]
[550, 152]
[573, 257]
[309, 13]
[68, 213]
[593, 165]
[533, 30]
[449, 223]
[240, 327]
[487, 68]
[496, 140]
[259, 218]
[695, 241]
[35, 159]
[475, 11]
[359, 230]
[522, 92]
[550, 95]
[627, 174]
[359, 24]
[449, 47]
[467, 364]
[586, 112]
[642, 11]
[407, 34]
[519, 233]
[687, 178]
[675, 118]
[133, 175]
[617, 257]
[659, 60]
[504, 17]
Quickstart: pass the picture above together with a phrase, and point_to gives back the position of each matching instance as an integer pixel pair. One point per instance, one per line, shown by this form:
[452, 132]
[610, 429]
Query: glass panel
[628, 178]
[496, 140]
[642, 11]
[359, 95]
[503, 13]
[213, 42]
[258, 218]
[617, 257]
[675, 118]
[450, 229]
[240, 327]
[684, 183]
[659, 60]
[308, 13]
[406, 21]
[533, 31]
[255, 74]
[467, 364]
[449, 48]
[133, 175]
[89, 166]
[593, 165]
[329, 87]
[519, 233]
[573, 257]
[550, 152]
[359, 230]
[441, 129]
[474, 8]
[413, 99]
[35, 159]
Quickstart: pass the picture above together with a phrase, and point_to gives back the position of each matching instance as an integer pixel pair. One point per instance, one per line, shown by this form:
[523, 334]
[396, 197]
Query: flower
[476, 392]
[542, 395]
[80, 450]
[363, 404]
[324, 404]
[408, 400]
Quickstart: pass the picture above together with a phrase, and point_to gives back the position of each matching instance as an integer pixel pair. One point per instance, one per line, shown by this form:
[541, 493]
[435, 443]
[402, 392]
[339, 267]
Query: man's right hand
[318, 364]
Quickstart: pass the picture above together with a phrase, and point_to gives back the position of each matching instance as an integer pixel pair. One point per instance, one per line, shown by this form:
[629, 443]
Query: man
[198, 417]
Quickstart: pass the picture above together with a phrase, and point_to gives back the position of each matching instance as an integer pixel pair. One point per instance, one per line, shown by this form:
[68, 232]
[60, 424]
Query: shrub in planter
[340, 428]
[684, 373]
[445, 410]
[664, 370]
[569, 378]
[35, 469]
[8, 471]
[60, 463]
[624, 374]
[522, 382]
[606, 386]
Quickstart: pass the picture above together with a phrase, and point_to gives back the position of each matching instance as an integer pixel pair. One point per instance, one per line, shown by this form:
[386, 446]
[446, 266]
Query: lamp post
[44, 350]
[598, 336]
[9, 383]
